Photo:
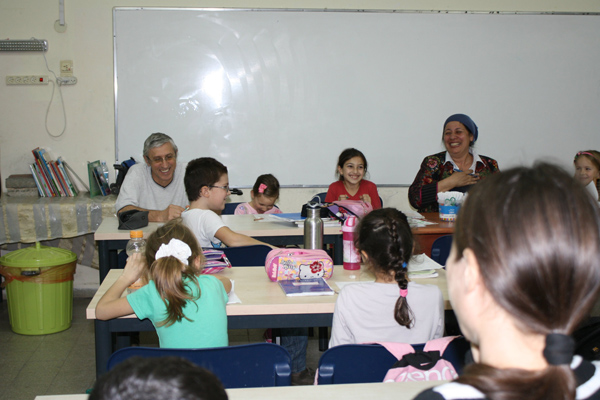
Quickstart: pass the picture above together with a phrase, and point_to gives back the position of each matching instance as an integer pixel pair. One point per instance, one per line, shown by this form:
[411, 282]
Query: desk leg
[323, 338]
[103, 346]
[103, 259]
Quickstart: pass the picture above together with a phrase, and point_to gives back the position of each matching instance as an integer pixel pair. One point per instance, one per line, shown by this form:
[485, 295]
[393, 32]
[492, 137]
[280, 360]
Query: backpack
[342, 209]
[121, 171]
[425, 365]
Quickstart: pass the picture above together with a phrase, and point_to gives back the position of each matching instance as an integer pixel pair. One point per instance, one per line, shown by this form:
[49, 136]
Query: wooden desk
[425, 236]
[264, 305]
[110, 239]
[382, 391]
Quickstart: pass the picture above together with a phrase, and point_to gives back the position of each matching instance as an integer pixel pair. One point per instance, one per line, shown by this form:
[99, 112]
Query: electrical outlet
[66, 80]
[27, 80]
[66, 68]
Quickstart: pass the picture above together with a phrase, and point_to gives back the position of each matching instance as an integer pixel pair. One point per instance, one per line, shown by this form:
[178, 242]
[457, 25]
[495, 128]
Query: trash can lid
[38, 256]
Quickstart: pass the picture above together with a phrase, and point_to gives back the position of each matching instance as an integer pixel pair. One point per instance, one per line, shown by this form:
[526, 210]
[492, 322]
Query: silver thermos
[313, 227]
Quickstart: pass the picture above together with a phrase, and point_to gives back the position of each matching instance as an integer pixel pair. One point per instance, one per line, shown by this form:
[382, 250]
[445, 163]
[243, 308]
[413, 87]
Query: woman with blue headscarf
[456, 169]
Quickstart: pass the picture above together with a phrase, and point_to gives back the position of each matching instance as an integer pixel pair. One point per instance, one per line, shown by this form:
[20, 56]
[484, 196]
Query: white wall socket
[27, 80]
[66, 80]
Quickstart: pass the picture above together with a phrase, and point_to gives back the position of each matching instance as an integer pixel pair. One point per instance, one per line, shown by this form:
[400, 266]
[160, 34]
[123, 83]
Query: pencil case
[296, 264]
[216, 261]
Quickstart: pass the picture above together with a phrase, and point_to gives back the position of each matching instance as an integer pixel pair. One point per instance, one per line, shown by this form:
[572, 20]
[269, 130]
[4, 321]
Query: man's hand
[166, 215]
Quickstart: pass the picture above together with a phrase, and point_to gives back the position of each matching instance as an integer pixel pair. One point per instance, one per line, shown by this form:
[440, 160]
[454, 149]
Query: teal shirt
[208, 325]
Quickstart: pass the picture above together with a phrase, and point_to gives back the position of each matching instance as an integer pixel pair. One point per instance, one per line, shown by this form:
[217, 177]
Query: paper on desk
[233, 298]
[421, 262]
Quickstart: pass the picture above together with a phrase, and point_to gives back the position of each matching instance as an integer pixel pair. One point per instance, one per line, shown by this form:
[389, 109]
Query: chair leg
[323, 338]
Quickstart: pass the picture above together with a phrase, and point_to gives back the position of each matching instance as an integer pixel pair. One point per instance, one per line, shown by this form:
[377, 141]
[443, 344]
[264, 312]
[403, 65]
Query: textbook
[306, 287]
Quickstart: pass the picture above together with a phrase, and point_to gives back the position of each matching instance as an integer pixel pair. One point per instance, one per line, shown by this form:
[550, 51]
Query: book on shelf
[306, 287]
[98, 182]
[50, 176]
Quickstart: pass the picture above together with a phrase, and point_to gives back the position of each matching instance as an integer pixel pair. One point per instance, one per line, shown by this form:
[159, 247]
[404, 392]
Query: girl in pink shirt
[264, 195]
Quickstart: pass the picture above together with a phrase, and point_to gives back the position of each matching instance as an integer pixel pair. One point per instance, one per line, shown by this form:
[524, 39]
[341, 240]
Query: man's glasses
[160, 160]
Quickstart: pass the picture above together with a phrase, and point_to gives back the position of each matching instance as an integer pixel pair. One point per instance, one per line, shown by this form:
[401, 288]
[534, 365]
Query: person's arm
[226, 283]
[332, 194]
[340, 333]
[169, 213]
[234, 239]
[112, 305]
[423, 190]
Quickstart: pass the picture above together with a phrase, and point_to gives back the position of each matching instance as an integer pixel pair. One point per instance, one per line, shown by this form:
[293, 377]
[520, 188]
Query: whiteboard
[285, 91]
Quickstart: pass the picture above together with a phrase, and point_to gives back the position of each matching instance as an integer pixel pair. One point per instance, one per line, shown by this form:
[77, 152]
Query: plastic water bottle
[136, 244]
[313, 227]
[351, 255]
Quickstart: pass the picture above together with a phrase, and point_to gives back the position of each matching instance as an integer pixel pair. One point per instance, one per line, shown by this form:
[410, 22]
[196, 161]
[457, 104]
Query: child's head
[587, 166]
[351, 166]
[173, 253]
[168, 378]
[264, 193]
[207, 177]
[385, 240]
[535, 236]
[174, 229]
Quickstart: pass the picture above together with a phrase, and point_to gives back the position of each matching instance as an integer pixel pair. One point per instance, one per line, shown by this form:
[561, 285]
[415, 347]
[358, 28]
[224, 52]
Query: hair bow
[176, 248]
[261, 188]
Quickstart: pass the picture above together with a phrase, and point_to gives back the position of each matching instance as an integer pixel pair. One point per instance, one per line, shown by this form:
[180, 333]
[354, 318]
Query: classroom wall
[89, 105]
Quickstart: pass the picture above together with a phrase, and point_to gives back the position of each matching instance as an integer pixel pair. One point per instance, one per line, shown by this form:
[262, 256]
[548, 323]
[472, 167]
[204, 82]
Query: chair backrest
[248, 365]
[440, 249]
[230, 208]
[247, 256]
[364, 363]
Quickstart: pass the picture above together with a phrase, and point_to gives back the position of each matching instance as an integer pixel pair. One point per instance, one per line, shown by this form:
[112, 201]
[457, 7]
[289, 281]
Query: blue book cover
[306, 287]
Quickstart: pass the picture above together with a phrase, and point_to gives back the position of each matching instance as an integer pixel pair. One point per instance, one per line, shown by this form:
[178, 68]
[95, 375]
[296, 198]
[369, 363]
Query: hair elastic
[261, 188]
[404, 265]
[176, 248]
[403, 292]
[559, 349]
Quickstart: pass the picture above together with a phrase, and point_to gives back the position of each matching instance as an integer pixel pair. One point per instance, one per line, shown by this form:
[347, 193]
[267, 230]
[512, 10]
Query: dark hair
[535, 233]
[385, 236]
[204, 171]
[271, 183]
[345, 156]
[156, 140]
[168, 378]
[168, 273]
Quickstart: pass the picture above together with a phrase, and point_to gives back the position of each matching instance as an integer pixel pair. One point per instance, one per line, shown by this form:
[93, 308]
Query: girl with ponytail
[391, 309]
[186, 308]
[523, 273]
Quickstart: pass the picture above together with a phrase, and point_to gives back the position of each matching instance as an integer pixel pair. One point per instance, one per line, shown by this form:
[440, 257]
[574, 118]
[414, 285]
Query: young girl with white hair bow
[186, 308]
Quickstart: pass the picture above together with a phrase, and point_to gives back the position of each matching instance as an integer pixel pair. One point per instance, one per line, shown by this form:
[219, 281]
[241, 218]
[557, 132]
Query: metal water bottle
[313, 227]
[351, 255]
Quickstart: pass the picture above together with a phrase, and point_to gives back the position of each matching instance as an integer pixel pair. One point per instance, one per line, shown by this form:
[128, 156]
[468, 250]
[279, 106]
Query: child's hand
[136, 263]
[366, 198]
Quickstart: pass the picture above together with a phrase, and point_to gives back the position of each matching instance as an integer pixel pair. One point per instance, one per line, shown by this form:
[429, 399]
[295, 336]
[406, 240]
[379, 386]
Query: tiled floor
[64, 362]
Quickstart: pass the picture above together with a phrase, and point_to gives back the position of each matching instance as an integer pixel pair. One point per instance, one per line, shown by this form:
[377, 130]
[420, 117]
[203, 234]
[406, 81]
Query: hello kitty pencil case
[287, 264]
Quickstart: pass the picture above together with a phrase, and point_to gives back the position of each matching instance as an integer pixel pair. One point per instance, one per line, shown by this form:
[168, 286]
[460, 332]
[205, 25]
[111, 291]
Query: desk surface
[260, 296]
[246, 224]
[383, 391]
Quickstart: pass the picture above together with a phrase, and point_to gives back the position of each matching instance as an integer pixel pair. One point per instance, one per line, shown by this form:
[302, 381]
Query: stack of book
[52, 178]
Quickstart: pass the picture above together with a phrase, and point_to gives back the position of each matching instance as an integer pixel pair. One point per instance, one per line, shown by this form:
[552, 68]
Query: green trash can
[39, 289]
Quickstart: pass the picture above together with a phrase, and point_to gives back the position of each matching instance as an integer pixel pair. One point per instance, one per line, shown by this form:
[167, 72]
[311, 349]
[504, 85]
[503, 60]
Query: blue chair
[365, 363]
[440, 249]
[230, 208]
[247, 256]
[249, 365]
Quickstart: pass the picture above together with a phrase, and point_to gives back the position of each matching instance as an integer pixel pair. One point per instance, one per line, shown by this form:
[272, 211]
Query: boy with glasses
[207, 187]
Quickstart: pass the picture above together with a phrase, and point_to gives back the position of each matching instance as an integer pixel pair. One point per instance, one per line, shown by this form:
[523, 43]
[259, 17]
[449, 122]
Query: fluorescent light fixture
[23, 45]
